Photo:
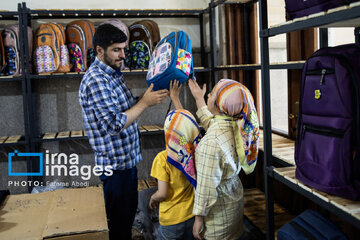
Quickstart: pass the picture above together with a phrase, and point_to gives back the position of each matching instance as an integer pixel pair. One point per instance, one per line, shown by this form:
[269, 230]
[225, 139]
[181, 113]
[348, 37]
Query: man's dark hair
[107, 34]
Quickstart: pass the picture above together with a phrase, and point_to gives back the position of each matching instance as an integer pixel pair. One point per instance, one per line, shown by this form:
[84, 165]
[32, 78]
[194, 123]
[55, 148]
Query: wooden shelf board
[349, 206]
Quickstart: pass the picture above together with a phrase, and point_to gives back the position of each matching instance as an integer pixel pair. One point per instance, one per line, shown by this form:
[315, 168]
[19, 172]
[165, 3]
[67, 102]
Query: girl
[175, 170]
[229, 145]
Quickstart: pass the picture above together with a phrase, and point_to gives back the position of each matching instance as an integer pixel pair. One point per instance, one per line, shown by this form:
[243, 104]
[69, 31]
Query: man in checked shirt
[109, 113]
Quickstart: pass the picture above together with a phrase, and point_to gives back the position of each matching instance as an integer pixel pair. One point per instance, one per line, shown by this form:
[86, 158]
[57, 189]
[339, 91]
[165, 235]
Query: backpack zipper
[321, 72]
[326, 131]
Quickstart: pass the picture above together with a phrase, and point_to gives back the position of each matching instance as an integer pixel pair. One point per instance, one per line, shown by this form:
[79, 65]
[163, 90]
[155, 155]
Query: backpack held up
[327, 145]
[171, 59]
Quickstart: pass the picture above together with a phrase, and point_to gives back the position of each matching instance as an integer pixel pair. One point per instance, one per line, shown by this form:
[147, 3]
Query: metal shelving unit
[29, 14]
[342, 16]
[24, 139]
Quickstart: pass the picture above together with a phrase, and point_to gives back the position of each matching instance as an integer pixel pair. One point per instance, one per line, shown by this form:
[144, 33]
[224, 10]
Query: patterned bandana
[234, 100]
[182, 135]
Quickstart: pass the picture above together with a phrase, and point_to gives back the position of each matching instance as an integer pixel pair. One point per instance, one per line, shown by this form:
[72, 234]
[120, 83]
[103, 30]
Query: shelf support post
[266, 104]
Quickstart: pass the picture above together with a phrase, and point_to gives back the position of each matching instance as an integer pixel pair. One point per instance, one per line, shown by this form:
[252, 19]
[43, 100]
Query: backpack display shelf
[318, 187]
[26, 17]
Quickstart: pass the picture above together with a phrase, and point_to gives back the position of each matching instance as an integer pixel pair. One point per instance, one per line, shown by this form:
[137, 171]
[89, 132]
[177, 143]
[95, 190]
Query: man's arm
[108, 114]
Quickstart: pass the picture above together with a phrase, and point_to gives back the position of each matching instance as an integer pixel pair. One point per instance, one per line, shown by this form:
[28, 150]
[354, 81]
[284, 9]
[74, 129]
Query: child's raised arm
[198, 93]
[174, 93]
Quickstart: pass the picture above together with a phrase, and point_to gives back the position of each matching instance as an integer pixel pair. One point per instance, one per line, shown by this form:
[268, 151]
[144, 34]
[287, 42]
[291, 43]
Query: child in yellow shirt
[175, 170]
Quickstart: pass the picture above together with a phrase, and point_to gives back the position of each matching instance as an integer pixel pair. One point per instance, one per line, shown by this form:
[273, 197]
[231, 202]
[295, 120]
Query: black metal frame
[16, 15]
[270, 174]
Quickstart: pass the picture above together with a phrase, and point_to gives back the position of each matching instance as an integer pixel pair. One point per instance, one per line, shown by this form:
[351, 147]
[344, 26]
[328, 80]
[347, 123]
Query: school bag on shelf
[144, 36]
[171, 59]
[50, 52]
[79, 36]
[310, 225]
[301, 8]
[122, 26]
[10, 37]
[327, 145]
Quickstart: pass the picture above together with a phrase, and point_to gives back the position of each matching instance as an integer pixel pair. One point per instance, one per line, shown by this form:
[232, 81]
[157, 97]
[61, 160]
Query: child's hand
[198, 93]
[198, 227]
[175, 88]
[195, 89]
[153, 203]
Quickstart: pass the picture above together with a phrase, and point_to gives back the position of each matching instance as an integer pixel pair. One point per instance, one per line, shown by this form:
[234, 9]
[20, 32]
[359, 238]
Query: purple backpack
[301, 8]
[327, 144]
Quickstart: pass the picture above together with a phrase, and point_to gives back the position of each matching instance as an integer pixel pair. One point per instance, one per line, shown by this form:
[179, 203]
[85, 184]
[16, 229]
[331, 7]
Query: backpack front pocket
[76, 58]
[64, 59]
[11, 61]
[160, 60]
[322, 152]
[44, 59]
[183, 62]
[140, 55]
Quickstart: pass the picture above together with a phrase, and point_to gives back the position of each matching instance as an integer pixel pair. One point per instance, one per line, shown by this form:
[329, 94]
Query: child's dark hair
[107, 34]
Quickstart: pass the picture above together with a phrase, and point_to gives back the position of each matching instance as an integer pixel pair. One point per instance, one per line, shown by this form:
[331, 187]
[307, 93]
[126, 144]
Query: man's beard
[107, 61]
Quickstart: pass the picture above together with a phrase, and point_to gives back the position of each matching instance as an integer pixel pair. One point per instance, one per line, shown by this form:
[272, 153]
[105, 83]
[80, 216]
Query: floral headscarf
[234, 100]
[182, 135]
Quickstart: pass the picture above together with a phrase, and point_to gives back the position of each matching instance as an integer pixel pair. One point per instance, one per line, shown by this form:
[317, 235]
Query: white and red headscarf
[234, 100]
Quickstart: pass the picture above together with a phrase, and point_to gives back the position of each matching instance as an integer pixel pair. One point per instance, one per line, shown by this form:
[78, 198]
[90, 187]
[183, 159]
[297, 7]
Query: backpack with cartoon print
[50, 52]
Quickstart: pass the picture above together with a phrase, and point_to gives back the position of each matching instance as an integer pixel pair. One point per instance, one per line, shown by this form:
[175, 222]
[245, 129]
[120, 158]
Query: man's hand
[151, 98]
[198, 227]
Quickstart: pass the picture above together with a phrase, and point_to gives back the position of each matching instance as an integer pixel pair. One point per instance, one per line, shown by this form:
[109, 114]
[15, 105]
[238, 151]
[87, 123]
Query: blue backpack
[170, 60]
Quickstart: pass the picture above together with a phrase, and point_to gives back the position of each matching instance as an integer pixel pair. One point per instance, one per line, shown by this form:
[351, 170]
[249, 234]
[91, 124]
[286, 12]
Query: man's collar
[106, 68]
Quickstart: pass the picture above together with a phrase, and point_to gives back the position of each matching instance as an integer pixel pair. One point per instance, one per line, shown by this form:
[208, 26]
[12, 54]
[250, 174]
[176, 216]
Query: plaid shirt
[219, 191]
[104, 98]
